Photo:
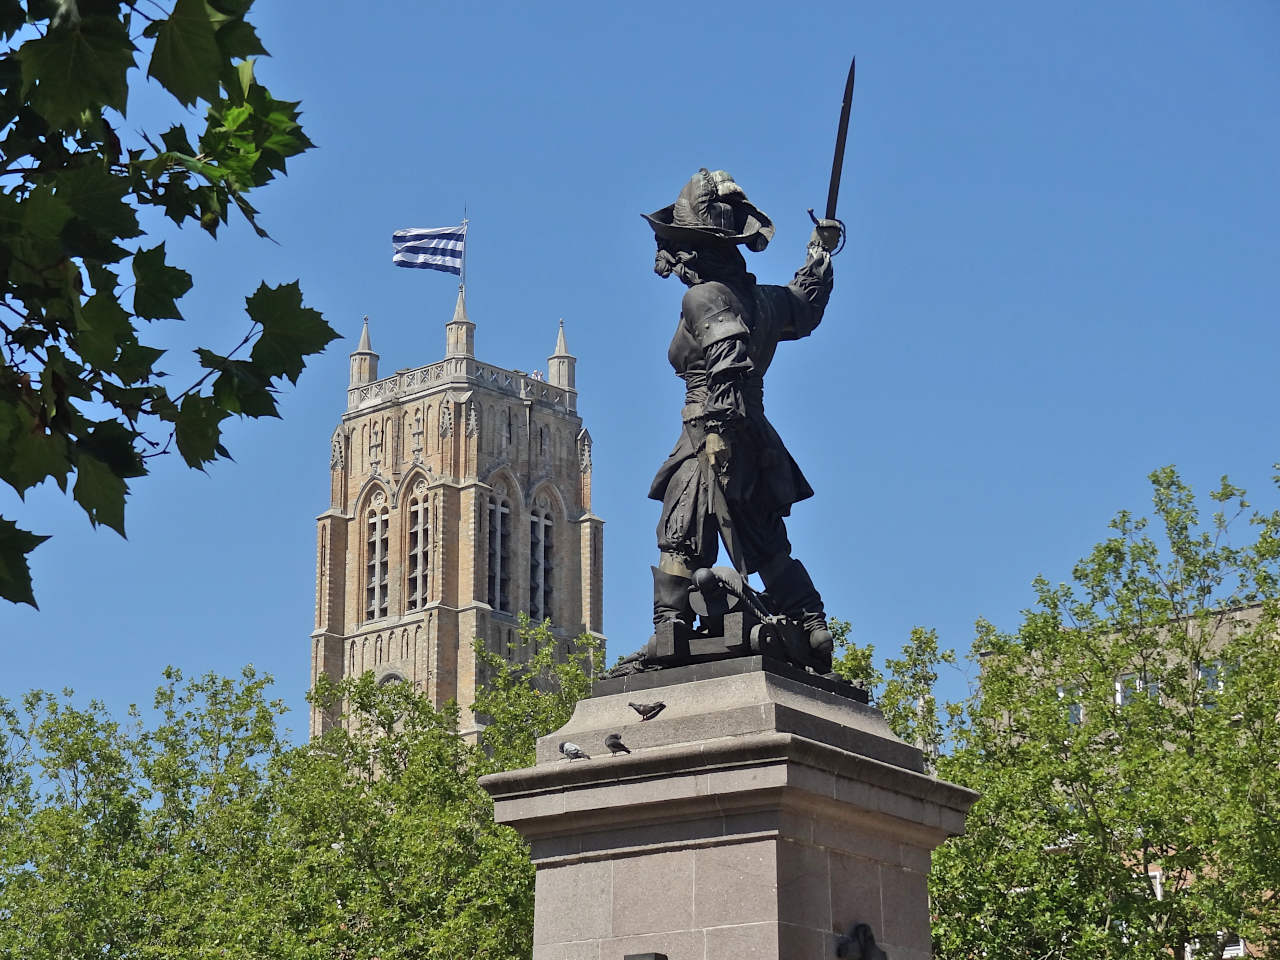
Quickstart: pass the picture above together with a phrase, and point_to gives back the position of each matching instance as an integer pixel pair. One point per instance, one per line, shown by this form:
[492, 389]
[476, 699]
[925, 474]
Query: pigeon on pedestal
[647, 711]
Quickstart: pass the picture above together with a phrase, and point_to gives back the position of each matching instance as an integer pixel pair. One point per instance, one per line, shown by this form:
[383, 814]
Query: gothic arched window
[377, 561]
[500, 553]
[419, 550]
[541, 564]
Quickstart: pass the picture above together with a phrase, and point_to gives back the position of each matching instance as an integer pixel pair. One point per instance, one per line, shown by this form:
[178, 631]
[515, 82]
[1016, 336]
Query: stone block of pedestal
[759, 815]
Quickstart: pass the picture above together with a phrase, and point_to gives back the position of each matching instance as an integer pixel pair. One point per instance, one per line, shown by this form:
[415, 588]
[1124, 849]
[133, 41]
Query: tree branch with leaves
[81, 398]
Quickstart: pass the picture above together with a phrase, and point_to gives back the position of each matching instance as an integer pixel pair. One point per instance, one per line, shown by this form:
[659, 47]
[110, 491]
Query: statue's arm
[727, 364]
[715, 320]
[807, 294]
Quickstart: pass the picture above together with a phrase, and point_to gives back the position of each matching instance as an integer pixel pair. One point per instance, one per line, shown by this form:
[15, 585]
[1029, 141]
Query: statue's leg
[791, 589]
[671, 594]
[686, 534]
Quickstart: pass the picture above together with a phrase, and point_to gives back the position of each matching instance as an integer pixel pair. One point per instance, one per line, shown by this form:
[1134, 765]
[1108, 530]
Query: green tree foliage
[203, 833]
[118, 840]
[387, 845]
[1126, 742]
[908, 699]
[81, 398]
[522, 700]
[907, 696]
[849, 660]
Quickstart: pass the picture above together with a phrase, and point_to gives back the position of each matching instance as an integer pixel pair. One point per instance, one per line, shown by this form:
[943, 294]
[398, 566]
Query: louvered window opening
[541, 567]
[417, 555]
[377, 565]
[499, 584]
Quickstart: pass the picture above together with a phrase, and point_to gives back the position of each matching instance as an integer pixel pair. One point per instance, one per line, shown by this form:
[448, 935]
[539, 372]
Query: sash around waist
[695, 400]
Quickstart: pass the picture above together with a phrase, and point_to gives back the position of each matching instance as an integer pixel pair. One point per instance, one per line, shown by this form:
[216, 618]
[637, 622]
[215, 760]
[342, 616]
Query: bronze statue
[730, 477]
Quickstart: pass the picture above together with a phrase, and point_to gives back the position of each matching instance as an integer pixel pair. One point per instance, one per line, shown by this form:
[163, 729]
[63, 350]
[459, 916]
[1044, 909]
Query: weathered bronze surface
[730, 478]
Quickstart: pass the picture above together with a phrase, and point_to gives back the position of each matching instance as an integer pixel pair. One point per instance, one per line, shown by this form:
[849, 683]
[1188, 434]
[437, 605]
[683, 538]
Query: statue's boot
[671, 598]
[792, 591]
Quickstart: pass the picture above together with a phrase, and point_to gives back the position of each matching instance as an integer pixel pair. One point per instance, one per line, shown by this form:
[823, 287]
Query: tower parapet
[461, 372]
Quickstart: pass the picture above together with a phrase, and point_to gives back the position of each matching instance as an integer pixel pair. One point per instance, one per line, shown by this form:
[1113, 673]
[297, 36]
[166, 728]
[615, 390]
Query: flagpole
[462, 279]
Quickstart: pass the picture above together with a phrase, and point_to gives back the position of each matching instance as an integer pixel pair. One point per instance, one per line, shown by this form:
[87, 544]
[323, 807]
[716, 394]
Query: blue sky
[1063, 271]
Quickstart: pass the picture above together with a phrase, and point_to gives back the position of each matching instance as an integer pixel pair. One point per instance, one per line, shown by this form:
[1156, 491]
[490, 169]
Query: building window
[417, 555]
[1151, 687]
[1211, 681]
[377, 563]
[1157, 882]
[541, 566]
[1126, 689]
[1075, 709]
[1232, 946]
[500, 554]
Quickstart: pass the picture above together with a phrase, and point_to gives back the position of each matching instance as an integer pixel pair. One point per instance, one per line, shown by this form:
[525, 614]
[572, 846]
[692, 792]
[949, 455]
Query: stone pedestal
[761, 814]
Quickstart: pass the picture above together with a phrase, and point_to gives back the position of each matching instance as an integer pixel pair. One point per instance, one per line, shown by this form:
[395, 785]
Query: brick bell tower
[460, 495]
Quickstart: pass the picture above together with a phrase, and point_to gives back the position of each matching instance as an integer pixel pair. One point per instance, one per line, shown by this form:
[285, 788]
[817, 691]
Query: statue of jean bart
[730, 478]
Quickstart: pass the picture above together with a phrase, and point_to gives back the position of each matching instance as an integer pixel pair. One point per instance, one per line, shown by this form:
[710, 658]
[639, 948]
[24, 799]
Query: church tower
[460, 496]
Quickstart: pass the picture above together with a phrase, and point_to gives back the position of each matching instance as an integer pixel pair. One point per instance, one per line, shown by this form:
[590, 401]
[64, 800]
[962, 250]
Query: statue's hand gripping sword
[837, 163]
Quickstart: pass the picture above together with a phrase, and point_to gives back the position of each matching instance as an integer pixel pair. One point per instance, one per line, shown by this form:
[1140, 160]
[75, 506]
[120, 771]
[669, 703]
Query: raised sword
[837, 162]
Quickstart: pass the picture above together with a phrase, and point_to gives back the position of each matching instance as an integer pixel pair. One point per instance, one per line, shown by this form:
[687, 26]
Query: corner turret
[364, 362]
[560, 365]
[460, 333]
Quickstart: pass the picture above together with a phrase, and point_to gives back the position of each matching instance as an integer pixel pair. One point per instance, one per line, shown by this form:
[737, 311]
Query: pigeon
[573, 751]
[614, 742]
[647, 711]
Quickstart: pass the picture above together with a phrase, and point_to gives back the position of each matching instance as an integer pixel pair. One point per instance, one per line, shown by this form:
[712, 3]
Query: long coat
[722, 348]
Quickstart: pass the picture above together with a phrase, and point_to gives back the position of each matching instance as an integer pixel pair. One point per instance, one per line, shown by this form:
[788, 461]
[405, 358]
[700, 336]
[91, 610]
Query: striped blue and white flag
[434, 248]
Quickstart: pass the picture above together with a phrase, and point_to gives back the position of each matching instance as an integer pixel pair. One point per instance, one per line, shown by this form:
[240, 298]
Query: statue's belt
[696, 411]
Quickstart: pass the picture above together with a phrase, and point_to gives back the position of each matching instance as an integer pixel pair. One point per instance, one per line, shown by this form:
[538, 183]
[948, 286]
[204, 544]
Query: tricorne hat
[712, 210]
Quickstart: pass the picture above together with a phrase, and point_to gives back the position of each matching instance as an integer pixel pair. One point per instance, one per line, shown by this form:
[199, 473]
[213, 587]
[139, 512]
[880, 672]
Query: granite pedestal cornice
[726, 745]
[731, 698]
[720, 779]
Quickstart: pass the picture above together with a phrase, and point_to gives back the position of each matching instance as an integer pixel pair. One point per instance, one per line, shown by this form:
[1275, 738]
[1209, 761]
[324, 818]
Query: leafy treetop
[200, 831]
[1125, 739]
[81, 398]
